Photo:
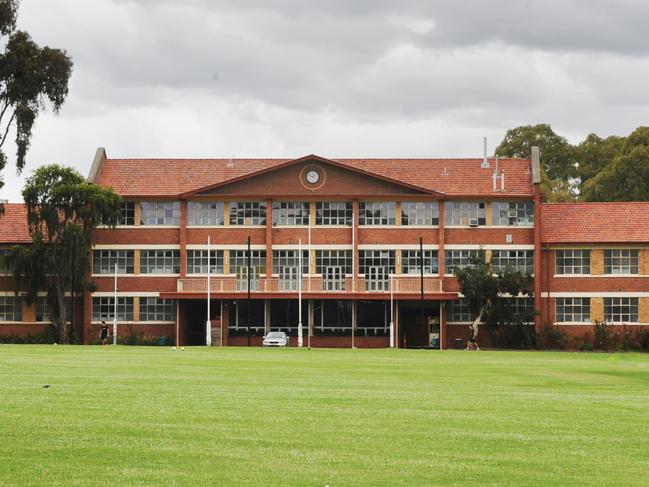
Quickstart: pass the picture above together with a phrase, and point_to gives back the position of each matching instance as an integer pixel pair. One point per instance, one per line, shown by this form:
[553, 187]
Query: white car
[276, 339]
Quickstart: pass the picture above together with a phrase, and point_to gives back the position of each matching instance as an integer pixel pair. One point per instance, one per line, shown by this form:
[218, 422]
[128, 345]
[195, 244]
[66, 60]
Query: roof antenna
[485, 160]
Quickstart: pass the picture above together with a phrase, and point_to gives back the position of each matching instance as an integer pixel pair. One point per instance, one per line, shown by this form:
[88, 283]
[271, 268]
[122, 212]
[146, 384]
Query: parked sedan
[276, 339]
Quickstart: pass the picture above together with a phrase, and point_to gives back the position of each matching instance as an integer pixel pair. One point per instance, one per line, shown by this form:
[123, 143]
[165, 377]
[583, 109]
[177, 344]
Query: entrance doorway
[415, 331]
[195, 316]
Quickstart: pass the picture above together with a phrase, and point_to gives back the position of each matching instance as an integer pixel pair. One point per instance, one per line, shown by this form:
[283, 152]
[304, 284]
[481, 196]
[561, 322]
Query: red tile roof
[595, 222]
[171, 177]
[13, 224]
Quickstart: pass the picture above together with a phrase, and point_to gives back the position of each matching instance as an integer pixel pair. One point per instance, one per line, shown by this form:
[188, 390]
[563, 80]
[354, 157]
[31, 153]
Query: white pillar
[115, 307]
[391, 310]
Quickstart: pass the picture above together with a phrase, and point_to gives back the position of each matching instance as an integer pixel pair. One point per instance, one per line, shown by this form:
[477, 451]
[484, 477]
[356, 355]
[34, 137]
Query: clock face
[312, 176]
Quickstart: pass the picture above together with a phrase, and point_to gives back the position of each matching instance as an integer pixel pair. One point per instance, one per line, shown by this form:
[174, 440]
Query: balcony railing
[402, 284]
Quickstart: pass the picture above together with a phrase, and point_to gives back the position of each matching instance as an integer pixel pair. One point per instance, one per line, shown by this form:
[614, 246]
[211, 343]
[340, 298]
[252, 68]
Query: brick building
[355, 227]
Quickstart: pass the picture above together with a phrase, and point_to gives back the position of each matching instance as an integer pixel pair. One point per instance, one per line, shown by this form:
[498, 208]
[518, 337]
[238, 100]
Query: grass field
[152, 416]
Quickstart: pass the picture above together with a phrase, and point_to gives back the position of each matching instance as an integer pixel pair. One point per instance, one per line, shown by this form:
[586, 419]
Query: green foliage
[62, 211]
[552, 338]
[30, 76]
[47, 336]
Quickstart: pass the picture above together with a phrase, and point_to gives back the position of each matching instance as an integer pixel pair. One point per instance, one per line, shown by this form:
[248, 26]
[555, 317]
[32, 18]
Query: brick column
[442, 265]
[355, 237]
[269, 238]
[538, 323]
[87, 318]
[183, 238]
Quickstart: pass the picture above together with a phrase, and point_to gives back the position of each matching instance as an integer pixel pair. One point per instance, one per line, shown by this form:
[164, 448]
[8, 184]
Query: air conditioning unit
[473, 222]
[512, 214]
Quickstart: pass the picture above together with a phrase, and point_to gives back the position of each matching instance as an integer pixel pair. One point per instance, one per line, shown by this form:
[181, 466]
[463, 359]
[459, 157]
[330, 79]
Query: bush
[553, 338]
[583, 343]
[48, 336]
[515, 336]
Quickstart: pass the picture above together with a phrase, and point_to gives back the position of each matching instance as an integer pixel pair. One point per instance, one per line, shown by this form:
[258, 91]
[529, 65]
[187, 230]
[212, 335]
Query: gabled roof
[452, 177]
[13, 224]
[617, 222]
[322, 160]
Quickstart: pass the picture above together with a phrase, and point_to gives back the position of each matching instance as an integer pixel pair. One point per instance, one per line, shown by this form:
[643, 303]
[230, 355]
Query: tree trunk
[476, 323]
[64, 335]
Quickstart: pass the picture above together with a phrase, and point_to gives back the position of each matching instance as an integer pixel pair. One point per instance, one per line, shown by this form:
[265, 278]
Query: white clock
[312, 176]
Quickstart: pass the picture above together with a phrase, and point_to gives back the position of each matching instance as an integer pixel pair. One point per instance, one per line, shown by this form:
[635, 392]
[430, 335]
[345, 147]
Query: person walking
[103, 333]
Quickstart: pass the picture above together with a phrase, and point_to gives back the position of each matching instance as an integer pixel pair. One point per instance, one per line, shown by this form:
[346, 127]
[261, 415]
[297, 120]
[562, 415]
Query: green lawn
[152, 416]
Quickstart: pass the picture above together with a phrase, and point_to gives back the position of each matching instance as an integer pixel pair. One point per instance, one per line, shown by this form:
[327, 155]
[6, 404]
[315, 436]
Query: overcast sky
[341, 78]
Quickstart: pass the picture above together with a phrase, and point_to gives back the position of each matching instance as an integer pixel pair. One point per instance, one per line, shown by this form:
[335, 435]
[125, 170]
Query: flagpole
[310, 313]
[115, 307]
[208, 323]
[300, 339]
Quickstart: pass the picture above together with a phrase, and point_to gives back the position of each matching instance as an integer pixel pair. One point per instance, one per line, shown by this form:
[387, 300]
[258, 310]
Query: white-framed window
[458, 259]
[420, 213]
[572, 261]
[621, 310]
[294, 213]
[247, 213]
[203, 213]
[157, 309]
[160, 213]
[159, 261]
[410, 262]
[290, 258]
[11, 308]
[325, 259]
[465, 212]
[197, 261]
[519, 260]
[572, 310]
[518, 213]
[620, 261]
[458, 311]
[375, 213]
[43, 312]
[127, 213]
[522, 308]
[383, 259]
[239, 261]
[104, 260]
[332, 213]
[103, 308]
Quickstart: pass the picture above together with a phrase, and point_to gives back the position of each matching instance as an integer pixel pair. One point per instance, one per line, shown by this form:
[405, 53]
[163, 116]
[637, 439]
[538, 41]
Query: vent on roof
[230, 163]
[445, 172]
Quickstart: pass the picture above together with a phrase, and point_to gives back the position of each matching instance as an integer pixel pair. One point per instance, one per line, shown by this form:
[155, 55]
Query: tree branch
[13, 115]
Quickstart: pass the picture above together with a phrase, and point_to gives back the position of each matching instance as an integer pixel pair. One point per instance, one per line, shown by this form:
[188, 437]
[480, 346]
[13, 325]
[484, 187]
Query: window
[572, 310]
[461, 258]
[620, 261]
[160, 213]
[333, 213]
[383, 259]
[463, 212]
[239, 261]
[247, 213]
[103, 308]
[419, 213]
[156, 309]
[197, 262]
[377, 213]
[621, 310]
[573, 262]
[290, 213]
[3, 266]
[519, 260]
[459, 312]
[103, 261]
[11, 308]
[522, 309]
[43, 311]
[519, 213]
[410, 260]
[205, 213]
[160, 262]
[290, 258]
[333, 258]
[127, 216]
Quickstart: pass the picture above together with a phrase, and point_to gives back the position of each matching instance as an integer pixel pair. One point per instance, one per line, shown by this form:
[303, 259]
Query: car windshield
[276, 334]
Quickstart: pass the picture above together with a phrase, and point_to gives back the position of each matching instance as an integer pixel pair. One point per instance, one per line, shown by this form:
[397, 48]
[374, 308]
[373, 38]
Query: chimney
[494, 176]
[536, 165]
[485, 161]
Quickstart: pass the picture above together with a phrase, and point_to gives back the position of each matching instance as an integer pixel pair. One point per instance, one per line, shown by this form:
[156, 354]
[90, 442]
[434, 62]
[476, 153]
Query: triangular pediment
[312, 175]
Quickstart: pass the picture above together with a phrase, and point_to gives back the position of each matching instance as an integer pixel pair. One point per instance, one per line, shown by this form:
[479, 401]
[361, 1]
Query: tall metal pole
[421, 275]
[310, 317]
[249, 269]
[115, 307]
[300, 338]
[208, 323]
[391, 310]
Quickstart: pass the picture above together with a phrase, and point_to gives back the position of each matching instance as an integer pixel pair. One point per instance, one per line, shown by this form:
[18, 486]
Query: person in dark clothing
[103, 334]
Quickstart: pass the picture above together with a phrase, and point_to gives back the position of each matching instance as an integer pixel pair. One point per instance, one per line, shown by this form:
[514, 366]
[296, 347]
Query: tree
[63, 209]
[557, 155]
[488, 294]
[30, 75]
[594, 154]
[626, 177]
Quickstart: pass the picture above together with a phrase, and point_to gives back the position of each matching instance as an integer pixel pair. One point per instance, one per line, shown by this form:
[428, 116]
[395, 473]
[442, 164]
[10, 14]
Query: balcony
[403, 284]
